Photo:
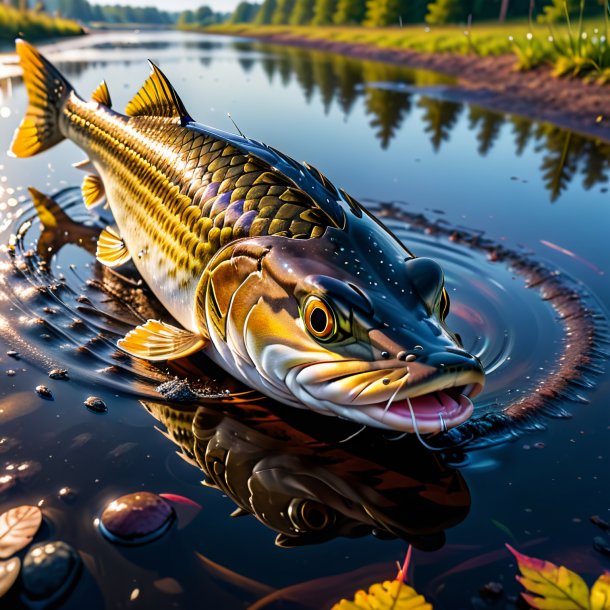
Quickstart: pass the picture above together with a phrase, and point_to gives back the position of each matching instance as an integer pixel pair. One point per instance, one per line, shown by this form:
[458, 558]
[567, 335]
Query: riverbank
[34, 25]
[491, 81]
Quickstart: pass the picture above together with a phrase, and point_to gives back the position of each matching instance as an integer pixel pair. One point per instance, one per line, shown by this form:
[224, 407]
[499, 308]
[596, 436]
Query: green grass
[573, 49]
[34, 26]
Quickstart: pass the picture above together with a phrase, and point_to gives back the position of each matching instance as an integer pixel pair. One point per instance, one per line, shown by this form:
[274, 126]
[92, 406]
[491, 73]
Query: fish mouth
[419, 398]
[429, 412]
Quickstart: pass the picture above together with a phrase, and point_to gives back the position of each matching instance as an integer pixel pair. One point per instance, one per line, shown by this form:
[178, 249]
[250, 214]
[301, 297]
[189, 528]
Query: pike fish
[285, 281]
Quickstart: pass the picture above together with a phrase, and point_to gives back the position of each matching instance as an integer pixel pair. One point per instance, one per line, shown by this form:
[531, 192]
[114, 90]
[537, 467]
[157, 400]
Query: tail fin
[47, 92]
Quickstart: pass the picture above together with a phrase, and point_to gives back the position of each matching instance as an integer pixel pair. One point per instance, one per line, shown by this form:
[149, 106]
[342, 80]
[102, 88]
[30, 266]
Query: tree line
[85, 12]
[379, 13]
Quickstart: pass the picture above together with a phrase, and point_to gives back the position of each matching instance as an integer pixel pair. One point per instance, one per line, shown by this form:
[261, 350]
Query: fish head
[314, 323]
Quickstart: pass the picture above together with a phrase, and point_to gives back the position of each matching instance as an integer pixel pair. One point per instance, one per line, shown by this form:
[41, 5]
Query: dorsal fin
[101, 95]
[156, 98]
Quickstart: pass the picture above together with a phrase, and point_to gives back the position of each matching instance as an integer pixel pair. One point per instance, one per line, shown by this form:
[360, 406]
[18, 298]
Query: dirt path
[492, 82]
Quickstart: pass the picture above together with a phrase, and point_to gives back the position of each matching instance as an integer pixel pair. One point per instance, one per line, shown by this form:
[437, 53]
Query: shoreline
[489, 81]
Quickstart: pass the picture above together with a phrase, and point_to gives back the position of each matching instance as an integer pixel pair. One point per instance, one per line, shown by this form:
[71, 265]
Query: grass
[33, 25]
[572, 49]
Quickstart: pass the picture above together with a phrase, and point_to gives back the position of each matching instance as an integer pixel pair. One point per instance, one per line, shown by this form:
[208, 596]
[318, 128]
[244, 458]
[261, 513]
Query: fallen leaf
[600, 593]
[9, 570]
[17, 528]
[390, 595]
[553, 587]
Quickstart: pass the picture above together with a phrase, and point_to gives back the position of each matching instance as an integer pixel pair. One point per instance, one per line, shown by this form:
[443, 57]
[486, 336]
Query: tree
[323, 12]
[503, 10]
[350, 12]
[75, 9]
[245, 12]
[186, 18]
[204, 15]
[302, 13]
[265, 12]
[556, 10]
[444, 11]
[380, 13]
[282, 12]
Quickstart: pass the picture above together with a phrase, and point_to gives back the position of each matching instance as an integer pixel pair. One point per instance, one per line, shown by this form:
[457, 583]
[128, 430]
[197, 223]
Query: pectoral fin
[111, 250]
[157, 340]
[93, 190]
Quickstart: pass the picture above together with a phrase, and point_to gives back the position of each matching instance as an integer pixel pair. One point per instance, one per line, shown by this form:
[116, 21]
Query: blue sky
[176, 5]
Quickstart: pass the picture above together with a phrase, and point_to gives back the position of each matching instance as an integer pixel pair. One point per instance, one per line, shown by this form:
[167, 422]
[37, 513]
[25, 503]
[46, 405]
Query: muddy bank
[492, 82]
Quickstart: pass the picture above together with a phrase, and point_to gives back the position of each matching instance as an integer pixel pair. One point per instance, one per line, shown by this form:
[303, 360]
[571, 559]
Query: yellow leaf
[17, 528]
[600, 593]
[390, 595]
[553, 588]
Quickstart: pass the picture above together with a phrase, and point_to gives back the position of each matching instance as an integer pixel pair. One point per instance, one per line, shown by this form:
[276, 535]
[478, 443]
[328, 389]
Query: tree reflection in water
[388, 92]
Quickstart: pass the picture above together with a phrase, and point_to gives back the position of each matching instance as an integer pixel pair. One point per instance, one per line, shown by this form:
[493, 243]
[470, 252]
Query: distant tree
[97, 14]
[380, 13]
[204, 15]
[282, 12]
[265, 13]
[323, 12]
[556, 10]
[186, 18]
[75, 9]
[40, 7]
[350, 12]
[445, 11]
[302, 13]
[245, 12]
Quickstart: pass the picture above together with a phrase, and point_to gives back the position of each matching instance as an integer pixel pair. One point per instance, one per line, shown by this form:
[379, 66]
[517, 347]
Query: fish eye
[319, 318]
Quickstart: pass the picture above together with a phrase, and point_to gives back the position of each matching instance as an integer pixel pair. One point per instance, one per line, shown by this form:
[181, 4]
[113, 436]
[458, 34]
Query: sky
[225, 6]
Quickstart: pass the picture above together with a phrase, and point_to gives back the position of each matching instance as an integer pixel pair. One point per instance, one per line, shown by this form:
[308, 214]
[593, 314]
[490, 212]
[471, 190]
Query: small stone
[23, 471]
[95, 404]
[136, 518]
[11, 373]
[492, 590]
[50, 570]
[539, 445]
[13, 354]
[67, 494]
[58, 374]
[603, 525]
[601, 545]
[6, 482]
[44, 392]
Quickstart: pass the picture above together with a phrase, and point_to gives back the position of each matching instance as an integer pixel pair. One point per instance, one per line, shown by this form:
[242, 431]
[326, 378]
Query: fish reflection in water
[302, 484]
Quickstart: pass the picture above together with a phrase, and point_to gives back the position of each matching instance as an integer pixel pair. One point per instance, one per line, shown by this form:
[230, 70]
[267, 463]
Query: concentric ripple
[537, 332]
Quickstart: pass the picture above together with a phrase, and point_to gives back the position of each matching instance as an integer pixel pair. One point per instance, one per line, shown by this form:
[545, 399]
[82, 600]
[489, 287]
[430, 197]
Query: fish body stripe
[180, 195]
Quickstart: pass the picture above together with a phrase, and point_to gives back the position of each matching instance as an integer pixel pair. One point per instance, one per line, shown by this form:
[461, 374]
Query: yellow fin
[86, 165]
[157, 340]
[156, 98]
[47, 209]
[93, 190]
[101, 95]
[111, 251]
[47, 93]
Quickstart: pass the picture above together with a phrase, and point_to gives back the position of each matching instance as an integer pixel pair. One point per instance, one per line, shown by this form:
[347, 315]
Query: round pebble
[13, 354]
[67, 494]
[50, 570]
[58, 374]
[44, 392]
[136, 518]
[93, 403]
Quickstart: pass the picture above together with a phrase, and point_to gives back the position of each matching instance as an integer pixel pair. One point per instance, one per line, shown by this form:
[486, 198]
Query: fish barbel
[284, 280]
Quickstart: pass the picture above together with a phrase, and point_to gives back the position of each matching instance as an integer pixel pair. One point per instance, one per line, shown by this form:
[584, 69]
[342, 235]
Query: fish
[282, 279]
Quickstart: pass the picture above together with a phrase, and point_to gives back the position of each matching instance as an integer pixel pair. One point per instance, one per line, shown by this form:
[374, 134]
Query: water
[501, 202]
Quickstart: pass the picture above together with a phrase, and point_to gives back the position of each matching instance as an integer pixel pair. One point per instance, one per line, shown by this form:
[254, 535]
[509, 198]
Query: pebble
[13, 354]
[50, 569]
[11, 373]
[95, 404]
[67, 494]
[58, 374]
[601, 545]
[44, 392]
[492, 590]
[136, 518]
[603, 525]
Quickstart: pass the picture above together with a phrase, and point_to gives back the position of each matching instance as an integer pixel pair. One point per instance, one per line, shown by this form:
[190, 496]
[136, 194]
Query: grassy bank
[574, 49]
[33, 25]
